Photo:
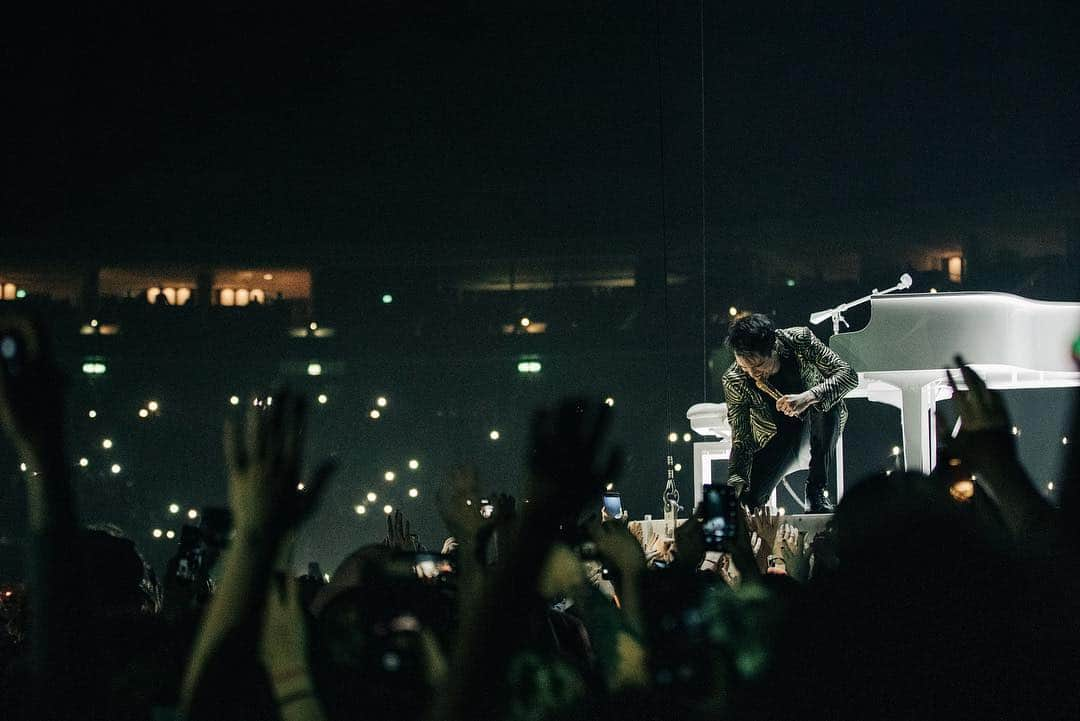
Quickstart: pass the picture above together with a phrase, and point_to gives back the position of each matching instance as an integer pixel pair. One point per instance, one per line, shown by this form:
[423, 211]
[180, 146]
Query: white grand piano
[902, 354]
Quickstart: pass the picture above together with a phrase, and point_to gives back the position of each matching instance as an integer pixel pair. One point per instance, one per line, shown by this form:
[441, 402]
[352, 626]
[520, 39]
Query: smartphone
[613, 504]
[718, 516]
[487, 508]
[432, 566]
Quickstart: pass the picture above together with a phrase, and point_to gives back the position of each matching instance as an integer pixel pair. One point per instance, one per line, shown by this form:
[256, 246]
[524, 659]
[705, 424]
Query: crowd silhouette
[943, 596]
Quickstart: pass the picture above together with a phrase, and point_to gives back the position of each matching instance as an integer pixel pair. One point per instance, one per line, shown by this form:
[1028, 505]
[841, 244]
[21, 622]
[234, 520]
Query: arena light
[106, 443]
[381, 401]
[152, 406]
[672, 437]
[192, 514]
[413, 464]
[234, 400]
[371, 497]
[529, 367]
[687, 437]
[313, 325]
[314, 369]
[91, 413]
[414, 492]
[388, 509]
[733, 311]
[115, 468]
[609, 402]
[360, 509]
[387, 299]
[143, 413]
[389, 476]
[322, 399]
[374, 414]
[170, 534]
[494, 435]
[525, 322]
[174, 508]
[84, 462]
[94, 368]
[157, 533]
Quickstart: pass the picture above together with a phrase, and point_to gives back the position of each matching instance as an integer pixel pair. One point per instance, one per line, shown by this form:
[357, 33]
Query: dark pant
[774, 461]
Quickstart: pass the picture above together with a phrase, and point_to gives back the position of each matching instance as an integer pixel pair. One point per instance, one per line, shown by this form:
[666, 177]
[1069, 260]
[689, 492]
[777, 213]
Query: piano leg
[919, 425]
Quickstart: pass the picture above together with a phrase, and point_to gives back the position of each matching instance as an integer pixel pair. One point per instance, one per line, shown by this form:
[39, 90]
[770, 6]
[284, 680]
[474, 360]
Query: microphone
[820, 316]
[905, 281]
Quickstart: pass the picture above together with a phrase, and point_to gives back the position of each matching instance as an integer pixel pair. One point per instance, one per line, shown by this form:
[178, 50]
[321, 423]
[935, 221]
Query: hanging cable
[704, 304]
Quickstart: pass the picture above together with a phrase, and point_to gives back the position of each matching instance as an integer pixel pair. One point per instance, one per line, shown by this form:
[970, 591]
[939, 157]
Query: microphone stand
[837, 313]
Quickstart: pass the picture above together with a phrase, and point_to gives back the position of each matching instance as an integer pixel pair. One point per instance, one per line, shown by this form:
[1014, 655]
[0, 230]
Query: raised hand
[981, 409]
[792, 547]
[399, 535]
[458, 502]
[766, 525]
[568, 463]
[264, 464]
[31, 392]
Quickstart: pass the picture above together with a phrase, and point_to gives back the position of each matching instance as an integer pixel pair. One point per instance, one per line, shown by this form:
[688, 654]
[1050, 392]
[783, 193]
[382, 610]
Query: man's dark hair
[752, 333]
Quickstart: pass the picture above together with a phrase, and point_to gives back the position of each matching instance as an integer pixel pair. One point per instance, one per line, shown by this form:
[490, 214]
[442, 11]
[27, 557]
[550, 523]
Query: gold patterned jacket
[825, 374]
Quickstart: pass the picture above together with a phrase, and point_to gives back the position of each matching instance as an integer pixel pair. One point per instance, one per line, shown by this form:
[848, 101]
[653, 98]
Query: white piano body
[902, 354]
[711, 421]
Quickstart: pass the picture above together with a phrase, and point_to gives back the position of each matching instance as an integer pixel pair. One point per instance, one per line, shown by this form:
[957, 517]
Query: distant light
[672, 437]
[381, 401]
[93, 369]
[781, 510]
[687, 437]
[192, 514]
[313, 325]
[525, 322]
[529, 366]
[374, 413]
[790, 282]
[678, 467]
[115, 468]
[1015, 430]
[152, 406]
[962, 490]
[387, 299]
[413, 464]
[174, 508]
[733, 311]
[20, 293]
[1050, 486]
[1064, 440]
[388, 509]
[494, 435]
[954, 462]
[22, 467]
[314, 369]
[360, 509]
[156, 533]
[896, 450]
[371, 497]
[234, 400]
[93, 323]
[413, 493]
[170, 534]
[143, 413]
[933, 290]
[106, 443]
[300, 486]
[84, 462]
[268, 276]
[92, 413]
[609, 486]
[326, 577]
[826, 492]
[609, 401]
[389, 476]
[322, 398]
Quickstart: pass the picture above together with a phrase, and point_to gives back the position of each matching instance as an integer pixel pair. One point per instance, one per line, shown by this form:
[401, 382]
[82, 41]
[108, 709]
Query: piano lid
[923, 331]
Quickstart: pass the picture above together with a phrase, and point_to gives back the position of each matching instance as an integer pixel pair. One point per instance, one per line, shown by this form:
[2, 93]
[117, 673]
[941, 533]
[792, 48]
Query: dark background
[709, 153]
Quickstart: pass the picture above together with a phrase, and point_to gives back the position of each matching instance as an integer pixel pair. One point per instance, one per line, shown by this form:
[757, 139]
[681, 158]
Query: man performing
[784, 386]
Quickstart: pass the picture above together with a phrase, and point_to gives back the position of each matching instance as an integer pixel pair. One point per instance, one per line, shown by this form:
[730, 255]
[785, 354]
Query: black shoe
[819, 502]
